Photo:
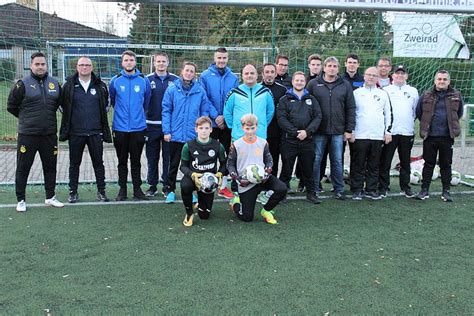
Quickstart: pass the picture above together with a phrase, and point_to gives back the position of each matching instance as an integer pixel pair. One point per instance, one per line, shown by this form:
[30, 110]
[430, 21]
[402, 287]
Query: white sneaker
[21, 206]
[53, 202]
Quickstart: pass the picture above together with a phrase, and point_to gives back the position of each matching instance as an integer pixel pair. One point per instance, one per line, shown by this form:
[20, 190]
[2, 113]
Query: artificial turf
[341, 257]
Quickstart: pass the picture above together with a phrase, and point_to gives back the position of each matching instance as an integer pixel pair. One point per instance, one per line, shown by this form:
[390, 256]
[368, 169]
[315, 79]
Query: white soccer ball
[415, 177]
[435, 173]
[455, 177]
[209, 183]
[254, 173]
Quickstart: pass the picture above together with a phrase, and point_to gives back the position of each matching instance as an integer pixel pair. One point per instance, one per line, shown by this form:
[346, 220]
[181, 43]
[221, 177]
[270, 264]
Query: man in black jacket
[299, 116]
[273, 130]
[336, 99]
[34, 100]
[84, 100]
[352, 71]
[282, 76]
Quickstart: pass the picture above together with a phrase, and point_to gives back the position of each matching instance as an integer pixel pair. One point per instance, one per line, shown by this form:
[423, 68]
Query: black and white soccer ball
[209, 183]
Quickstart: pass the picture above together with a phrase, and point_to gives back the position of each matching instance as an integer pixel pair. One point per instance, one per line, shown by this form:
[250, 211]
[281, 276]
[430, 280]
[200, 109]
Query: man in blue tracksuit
[218, 80]
[184, 102]
[130, 94]
[159, 82]
[249, 97]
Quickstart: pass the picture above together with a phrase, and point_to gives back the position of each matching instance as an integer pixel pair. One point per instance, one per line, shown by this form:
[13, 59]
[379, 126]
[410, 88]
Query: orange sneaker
[225, 193]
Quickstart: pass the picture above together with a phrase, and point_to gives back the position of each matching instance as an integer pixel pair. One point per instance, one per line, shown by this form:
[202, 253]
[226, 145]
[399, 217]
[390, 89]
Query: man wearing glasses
[384, 66]
[84, 99]
[282, 77]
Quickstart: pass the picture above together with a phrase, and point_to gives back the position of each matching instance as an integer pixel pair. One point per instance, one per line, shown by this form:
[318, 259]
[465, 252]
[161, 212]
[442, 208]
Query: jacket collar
[291, 93]
[136, 74]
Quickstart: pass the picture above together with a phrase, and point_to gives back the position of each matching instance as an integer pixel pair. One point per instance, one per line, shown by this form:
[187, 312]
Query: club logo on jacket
[51, 87]
[407, 95]
[376, 98]
[153, 85]
[23, 149]
[136, 88]
[93, 91]
[122, 88]
[309, 102]
[211, 153]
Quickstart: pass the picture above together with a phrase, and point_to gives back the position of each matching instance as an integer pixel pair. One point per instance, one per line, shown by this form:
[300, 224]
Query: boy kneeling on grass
[252, 150]
[199, 156]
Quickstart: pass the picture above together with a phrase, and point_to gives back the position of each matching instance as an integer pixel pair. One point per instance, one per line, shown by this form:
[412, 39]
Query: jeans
[335, 155]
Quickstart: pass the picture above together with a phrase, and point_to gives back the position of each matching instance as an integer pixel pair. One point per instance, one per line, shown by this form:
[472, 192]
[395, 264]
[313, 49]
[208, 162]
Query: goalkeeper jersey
[202, 157]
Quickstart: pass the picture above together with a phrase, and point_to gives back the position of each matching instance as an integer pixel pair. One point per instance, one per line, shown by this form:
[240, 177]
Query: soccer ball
[254, 173]
[209, 183]
[455, 177]
[415, 177]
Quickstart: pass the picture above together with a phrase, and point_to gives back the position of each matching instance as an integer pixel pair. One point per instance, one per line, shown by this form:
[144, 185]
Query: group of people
[217, 125]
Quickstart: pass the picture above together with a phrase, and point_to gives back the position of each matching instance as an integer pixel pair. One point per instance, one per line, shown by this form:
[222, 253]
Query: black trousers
[205, 201]
[223, 136]
[248, 199]
[154, 145]
[403, 144]
[431, 147]
[175, 159]
[365, 159]
[274, 144]
[304, 151]
[76, 149]
[129, 144]
[27, 146]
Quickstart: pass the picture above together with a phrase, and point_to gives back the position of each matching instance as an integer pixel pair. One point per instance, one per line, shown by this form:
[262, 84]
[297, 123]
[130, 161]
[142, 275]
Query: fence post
[273, 34]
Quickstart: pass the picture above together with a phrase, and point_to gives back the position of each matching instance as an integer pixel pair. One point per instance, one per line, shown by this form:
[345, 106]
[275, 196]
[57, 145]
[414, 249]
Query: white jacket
[373, 113]
[404, 100]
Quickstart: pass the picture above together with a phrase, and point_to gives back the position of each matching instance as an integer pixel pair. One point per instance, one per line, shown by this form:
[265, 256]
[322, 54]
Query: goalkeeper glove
[196, 177]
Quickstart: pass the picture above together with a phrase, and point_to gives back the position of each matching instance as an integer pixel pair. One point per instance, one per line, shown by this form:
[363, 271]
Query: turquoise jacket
[243, 100]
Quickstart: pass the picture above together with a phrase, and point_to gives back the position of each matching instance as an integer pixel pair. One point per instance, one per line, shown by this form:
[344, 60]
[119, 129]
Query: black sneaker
[383, 194]
[340, 196]
[357, 196]
[408, 193]
[73, 197]
[423, 195]
[102, 197]
[139, 195]
[313, 198]
[152, 190]
[122, 195]
[446, 196]
[373, 195]
[301, 187]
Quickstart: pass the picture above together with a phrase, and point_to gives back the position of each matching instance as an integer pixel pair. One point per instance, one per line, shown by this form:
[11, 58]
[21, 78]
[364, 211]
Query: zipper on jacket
[129, 102]
[251, 101]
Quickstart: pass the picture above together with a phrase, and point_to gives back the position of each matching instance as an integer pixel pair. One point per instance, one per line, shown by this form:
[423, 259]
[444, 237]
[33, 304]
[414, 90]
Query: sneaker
[225, 193]
[139, 195]
[340, 196]
[373, 195]
[122, 195]
[170, 197]
[152, 190]
[446, 196]
[53, 202]
[102, 197]
[21, 206]
[357, 196]
[73, 197]
[383, 194]
[423, 195]
[188, 220]
[235, 205]
[301, 187]
[268, 217]
[262, 198]
[408, 193]
[313, 198]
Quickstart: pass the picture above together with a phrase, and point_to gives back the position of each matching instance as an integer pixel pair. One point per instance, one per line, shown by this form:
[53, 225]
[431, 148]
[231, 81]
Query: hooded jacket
[181, 109]
[129, 95]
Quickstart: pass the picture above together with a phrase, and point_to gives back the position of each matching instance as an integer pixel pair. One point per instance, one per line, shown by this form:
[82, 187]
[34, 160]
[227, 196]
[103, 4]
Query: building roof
[20, 23]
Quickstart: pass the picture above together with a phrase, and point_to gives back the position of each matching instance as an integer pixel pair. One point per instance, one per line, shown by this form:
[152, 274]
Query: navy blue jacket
[158, 89]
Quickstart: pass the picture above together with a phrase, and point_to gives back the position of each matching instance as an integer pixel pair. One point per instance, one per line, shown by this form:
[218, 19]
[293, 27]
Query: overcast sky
[93, 14]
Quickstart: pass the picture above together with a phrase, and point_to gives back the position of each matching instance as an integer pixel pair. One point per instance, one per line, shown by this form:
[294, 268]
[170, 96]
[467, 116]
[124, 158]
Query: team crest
[211, 153]
[136, 88]
[22, 149]
[407, 94]
[93, 91]
[309, 102]
[51, 86]
[153, 85]
[122, 88]
[376, 98]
